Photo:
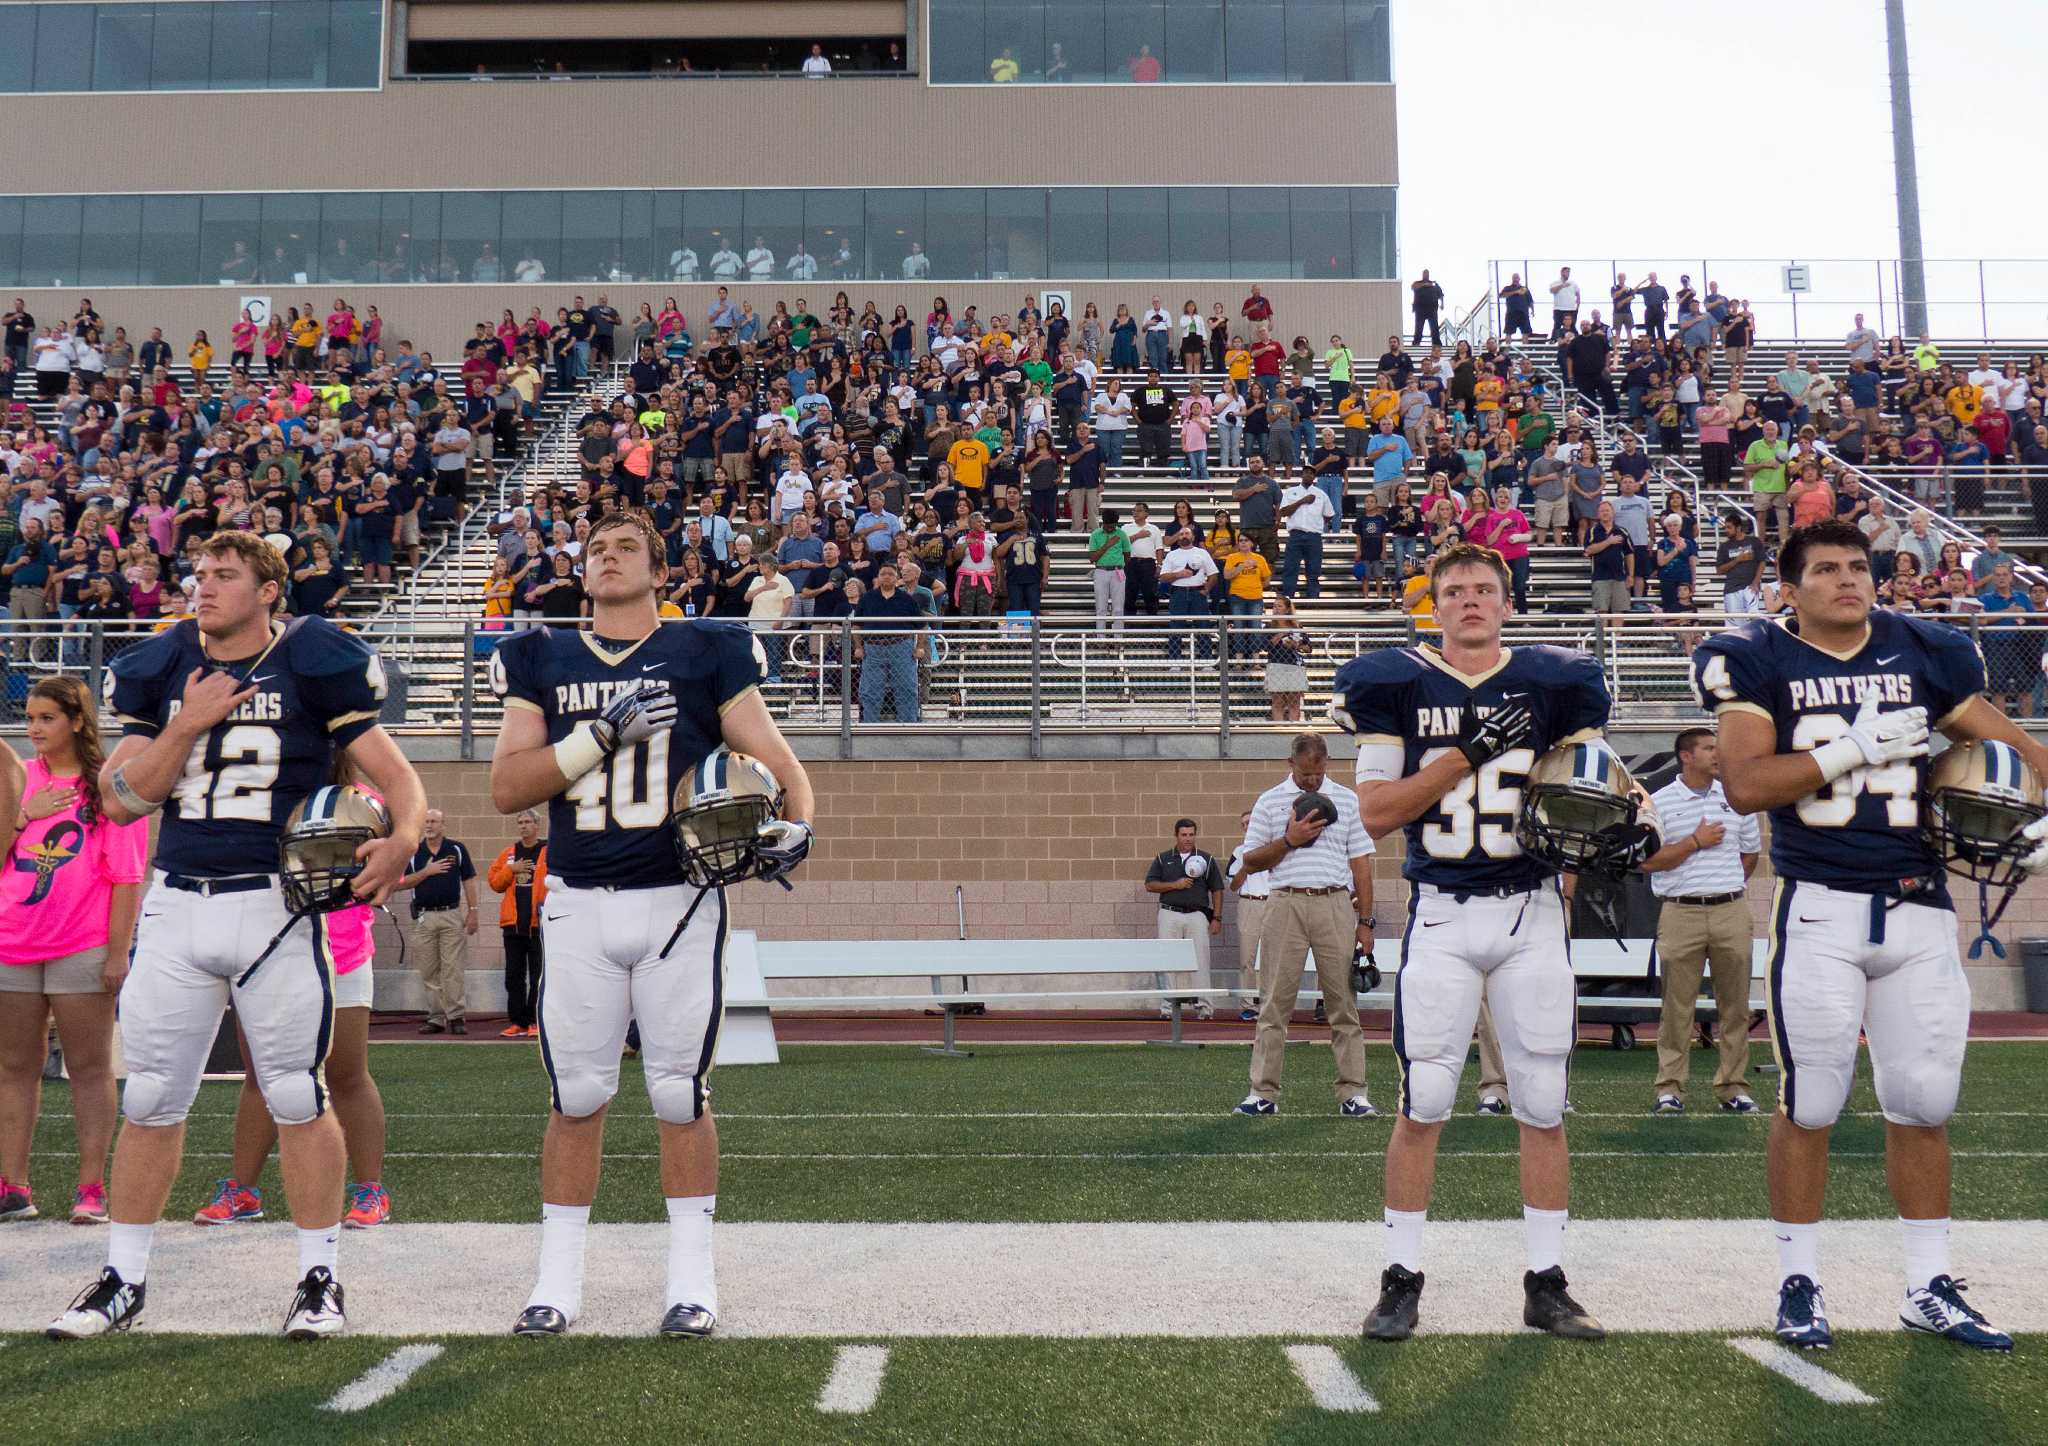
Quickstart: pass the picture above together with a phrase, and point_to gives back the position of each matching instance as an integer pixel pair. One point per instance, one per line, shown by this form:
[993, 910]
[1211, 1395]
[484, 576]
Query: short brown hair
[264, 560]
[633, 520]
[1469, 554]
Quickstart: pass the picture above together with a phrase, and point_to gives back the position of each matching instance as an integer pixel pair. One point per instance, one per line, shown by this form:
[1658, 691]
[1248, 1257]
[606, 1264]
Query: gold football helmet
[317, 850]
[1582, 812]
[717, 814]
[1980, 795]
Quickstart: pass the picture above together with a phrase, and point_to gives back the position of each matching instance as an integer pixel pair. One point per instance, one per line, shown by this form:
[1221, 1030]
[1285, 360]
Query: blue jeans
[1331, 485]
[1159, 350]
[1303, 549]
[1198, 464]
[1244, 641]
[888, 671]
[1112, 440]
[1233, 444]
[1406, 549]
[579, 359]
[1189, 602]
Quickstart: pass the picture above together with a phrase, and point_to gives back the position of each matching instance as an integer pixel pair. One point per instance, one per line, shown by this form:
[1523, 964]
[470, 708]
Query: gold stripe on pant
[444, 956]
[1689, 939]
[1294, 925]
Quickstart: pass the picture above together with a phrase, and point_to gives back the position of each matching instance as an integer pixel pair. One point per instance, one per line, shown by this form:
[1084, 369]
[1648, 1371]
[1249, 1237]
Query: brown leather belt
[1331, 889]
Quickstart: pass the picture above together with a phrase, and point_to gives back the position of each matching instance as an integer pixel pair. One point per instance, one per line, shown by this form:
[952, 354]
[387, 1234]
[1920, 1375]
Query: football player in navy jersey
[229, 720]
[1824, 718]
[601, 726]
[1446, 738]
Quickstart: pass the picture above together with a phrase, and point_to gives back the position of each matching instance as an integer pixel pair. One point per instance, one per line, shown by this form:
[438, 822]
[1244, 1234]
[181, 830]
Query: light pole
[1912, 261]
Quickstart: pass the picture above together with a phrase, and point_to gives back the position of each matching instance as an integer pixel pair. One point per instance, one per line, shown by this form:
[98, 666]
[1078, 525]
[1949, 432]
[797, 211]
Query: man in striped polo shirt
[1700, 877]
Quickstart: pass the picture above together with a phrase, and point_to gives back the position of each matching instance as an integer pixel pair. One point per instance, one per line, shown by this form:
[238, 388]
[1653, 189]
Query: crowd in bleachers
[316, 433]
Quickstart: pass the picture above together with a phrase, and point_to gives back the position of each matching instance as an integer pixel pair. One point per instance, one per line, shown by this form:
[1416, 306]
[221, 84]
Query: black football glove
[634, 717]
[1365, 973]
[1624, 848]
[1482, 740]
[783, 845]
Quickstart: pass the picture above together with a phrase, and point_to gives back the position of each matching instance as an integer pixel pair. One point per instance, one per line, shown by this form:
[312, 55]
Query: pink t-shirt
[57, 882]
[348, 935]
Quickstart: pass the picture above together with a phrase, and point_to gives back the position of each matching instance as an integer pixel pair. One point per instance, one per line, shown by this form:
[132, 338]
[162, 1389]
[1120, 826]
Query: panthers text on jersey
[609, 828]
[318, 689]
[1861, 832]
[1412, 698]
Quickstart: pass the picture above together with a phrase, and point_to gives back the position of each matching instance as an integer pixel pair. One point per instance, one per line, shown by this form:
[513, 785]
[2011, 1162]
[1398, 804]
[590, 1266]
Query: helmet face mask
[317, 862]
[1980, 795]
[1573, 795]
[716, 818]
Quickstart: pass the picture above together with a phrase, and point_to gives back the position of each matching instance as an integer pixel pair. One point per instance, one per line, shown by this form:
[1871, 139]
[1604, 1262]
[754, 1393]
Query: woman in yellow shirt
[1415, 597]
[1487, 393]
[1238, 363]
[201, 356]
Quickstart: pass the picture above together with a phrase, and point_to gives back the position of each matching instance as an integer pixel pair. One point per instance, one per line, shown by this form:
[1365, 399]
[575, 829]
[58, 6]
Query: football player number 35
[1481, 808]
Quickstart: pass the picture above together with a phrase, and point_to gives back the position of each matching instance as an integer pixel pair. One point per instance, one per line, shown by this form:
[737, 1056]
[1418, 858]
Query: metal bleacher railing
[1034, 677]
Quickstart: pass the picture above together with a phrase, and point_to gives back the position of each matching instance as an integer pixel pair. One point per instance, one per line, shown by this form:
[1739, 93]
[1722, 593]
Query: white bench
[939, 962]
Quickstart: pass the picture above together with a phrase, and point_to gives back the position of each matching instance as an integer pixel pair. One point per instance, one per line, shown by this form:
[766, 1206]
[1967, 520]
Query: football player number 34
[1833, 805]
[1480, 809]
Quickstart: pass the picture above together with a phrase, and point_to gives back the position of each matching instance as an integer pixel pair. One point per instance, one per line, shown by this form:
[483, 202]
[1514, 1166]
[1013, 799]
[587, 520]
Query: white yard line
[856, 1381]
[1330, 1381]
[383, 1379]
[1786, 1362]
[1309, 1280]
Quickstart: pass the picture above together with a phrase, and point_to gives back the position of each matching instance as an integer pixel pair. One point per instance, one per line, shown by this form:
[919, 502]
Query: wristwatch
[1369, 921]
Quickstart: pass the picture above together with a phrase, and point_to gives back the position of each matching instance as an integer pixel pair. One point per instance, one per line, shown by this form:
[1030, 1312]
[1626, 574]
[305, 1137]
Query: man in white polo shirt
[1702, 877]
[1305, 514]
[1251, 890]
[1320, 869]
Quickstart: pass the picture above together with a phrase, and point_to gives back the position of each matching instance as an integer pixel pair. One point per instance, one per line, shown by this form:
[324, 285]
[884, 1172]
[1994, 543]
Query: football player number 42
[634, 789]
[1480, 808]
[237, 785]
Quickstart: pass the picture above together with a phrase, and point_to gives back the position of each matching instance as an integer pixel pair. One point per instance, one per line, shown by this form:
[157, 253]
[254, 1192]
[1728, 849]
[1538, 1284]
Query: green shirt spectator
[1771, 477]
[1536, 430]
[1109, 547]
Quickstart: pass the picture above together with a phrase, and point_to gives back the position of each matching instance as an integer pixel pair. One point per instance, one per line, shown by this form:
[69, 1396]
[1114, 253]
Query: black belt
[1705, 901]
[234, 884]
[435, 908]
[1500, 891]
[1177, 909]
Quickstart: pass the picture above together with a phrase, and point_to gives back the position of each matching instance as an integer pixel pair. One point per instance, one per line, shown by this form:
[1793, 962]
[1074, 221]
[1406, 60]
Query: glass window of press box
[1176, 42]
[192, 45]
[1073, 233]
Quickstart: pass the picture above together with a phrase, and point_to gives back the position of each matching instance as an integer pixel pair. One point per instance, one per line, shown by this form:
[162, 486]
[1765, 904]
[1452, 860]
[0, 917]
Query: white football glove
[635, 717]
[783, 845]
[2036, 859]
[1873, 740]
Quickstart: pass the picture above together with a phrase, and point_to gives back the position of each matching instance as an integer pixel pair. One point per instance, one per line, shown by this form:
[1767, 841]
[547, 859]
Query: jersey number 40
[633, 791]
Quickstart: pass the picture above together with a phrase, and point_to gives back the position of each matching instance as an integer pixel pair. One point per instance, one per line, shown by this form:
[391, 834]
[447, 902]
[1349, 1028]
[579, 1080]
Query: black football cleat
[540, 1320]
[316, 1310]
[109, 1304]
[1548, 1306]
[688, 1323]
[1400, 1305]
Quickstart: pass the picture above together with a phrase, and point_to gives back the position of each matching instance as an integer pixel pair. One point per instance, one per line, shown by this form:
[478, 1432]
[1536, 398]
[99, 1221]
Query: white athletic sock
[128, 1250]
[1798, 1251]
[1926, 1250]
[691, 1279]
[1404, 1238]
[1543, 1231]
[562, 1232]
[318, 1248]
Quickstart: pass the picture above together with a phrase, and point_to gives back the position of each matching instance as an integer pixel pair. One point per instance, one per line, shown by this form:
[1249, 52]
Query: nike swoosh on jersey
[1887, 662]
[1432, 923]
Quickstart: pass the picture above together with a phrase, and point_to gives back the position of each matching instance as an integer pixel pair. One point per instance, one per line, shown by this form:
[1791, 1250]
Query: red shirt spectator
[1145, 67]
[1267, 355]
[1256, 308]
[1994, 430]
[478, 372]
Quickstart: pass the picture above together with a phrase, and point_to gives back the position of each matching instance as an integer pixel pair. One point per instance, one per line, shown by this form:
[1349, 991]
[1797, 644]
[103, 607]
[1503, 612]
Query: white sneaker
[1205, 1010]
[316, 1309]
[108, 1304]
[1166, 1009]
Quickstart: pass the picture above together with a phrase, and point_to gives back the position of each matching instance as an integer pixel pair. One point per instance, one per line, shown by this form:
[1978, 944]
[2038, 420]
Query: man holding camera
[1306, 834]
[1189, 887]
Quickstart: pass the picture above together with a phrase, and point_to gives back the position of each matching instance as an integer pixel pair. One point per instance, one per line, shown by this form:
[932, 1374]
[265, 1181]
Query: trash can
[2034, 974]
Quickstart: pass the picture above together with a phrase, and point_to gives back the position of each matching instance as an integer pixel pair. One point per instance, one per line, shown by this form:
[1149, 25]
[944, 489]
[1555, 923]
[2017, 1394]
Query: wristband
[1844, 755]
[125, 794]
[581, 751]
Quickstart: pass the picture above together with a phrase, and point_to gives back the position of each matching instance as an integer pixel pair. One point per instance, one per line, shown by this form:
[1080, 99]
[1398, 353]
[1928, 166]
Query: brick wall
[1037, 850]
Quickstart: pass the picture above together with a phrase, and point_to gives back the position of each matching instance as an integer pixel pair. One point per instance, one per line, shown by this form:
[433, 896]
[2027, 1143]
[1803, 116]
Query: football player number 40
[1481, 808]
[634, 789]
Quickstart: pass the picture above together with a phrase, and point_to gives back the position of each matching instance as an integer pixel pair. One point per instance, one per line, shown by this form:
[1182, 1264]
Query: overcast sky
[1743, 129]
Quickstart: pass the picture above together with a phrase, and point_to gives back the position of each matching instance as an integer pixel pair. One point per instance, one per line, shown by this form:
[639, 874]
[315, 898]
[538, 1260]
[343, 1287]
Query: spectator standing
[1517, 305]
[1251, 890]
[1321, 901]
[1109, 551]
[1189, 887]
[1739, 560]
[1141, 565]
[1258, 509]
[1154, 409]
[1564, 304]
[520, 874]
[1188, 572]
[1306, 513]
[442, 878]
[1701, 879]
[1426, 299]
[1764, 465]
[888, 645]
[1611, 552]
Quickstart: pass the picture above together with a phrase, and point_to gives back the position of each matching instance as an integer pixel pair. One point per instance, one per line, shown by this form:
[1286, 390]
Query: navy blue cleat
[1254, 1105]
[1802, 1318]
[1938, 1309]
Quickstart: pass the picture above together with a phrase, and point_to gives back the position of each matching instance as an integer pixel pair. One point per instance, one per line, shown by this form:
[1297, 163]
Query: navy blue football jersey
[1861, 832]
[1413, 698]
[319, 689]
[609, 829]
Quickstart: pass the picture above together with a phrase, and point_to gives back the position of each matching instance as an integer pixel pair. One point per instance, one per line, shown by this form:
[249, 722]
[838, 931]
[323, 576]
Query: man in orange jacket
[520, 874]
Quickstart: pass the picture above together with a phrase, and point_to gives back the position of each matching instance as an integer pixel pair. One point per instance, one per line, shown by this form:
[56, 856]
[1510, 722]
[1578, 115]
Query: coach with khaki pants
[1189, 888]
[1702, 877]
[443, 883]
[1320, 899]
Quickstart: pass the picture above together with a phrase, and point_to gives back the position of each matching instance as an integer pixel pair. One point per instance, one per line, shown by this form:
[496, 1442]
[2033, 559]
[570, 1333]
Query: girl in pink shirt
[70, 885]
[1506, 530]
[242, 337]
[357, 1104]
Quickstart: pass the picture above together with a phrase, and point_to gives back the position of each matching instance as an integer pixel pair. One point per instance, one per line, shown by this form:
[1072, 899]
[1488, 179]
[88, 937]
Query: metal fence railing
[1197, 674]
